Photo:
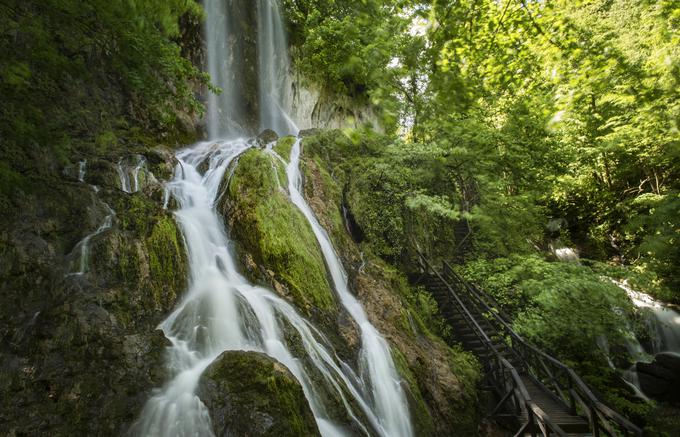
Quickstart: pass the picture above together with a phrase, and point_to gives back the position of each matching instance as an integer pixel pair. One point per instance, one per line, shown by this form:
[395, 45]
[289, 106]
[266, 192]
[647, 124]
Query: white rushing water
[662, 320]
[128, 173]
[378, 369]
[225, 54]
[82, 166]
[567, 254]
[84, 245]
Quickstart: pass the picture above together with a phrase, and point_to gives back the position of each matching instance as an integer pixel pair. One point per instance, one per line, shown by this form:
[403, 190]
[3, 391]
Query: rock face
[660, 379]
[312, 107]
[79, 352]
[250, 394]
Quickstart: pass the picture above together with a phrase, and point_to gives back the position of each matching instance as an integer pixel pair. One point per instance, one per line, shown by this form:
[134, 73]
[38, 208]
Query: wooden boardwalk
[534, 392]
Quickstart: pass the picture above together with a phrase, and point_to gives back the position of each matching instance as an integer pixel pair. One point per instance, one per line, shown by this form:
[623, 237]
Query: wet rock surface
[250, 394]
[267, 136]
[79, 352]
[660, 379]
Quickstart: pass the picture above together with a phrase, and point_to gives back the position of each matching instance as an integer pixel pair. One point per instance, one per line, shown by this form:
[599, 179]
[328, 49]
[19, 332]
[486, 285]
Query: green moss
[128, 262]
[166, 267]
[283, 146]
[134, 212]
[250, 393]
[275, 232]
[10, 181]
[105, 141]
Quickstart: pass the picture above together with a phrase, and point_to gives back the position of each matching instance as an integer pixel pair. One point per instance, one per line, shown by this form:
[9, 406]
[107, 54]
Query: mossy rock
[167, 262]
[420, 414]
[270, 228]
[251, 394]
[283, 147]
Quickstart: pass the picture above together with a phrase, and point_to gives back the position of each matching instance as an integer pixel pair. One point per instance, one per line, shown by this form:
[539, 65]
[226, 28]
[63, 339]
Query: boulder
[267, 136]
[251, 394]
[660, 379]
[309, 132]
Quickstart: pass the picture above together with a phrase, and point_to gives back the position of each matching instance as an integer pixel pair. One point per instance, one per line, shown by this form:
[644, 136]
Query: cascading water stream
[222, 311]
[83, 245]
[378, 367]
[663, 330]
[128, 173]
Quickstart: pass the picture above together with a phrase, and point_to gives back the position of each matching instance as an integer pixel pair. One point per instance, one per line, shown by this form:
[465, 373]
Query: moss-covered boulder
[274, 232]
[250, 394]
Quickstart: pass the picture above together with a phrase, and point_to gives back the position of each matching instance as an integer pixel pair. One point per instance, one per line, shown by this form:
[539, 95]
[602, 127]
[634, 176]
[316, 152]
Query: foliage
[75, 71]
[513, 113]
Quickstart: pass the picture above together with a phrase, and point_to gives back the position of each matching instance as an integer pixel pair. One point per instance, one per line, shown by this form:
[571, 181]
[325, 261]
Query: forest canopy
[524, 112]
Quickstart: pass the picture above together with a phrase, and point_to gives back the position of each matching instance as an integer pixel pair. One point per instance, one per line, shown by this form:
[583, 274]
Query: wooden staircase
[536, 393]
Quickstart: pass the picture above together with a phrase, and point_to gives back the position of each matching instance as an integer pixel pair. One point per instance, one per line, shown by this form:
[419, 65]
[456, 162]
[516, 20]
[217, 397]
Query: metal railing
[559, 379]
[503, 376]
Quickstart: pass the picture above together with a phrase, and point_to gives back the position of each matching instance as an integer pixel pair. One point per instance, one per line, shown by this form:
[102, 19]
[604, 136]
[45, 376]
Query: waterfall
[663, 325]
[378, 369]
[128, 173]
[222, 310]
[84, 245]
[224, 52]
[663, 321]
[273, 64]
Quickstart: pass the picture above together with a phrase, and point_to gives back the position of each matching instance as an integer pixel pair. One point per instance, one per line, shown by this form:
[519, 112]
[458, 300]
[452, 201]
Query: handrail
[598, 410]
[518, 390]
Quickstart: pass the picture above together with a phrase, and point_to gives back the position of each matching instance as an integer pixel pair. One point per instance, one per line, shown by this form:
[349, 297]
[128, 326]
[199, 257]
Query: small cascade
[128, 172]
[662, 322]
[377, 367]
[81, 170]
[83, 245]
[566, 254]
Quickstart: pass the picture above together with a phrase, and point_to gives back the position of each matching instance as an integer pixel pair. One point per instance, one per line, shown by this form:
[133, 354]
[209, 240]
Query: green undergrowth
[277, 235]
[567, 309]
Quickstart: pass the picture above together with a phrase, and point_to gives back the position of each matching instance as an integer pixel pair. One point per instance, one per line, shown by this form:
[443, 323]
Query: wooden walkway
[534, 392]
